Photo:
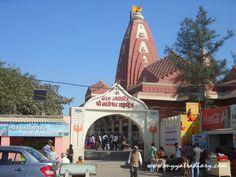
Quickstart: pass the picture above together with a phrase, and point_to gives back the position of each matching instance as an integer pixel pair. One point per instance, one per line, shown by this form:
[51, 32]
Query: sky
[78, 41]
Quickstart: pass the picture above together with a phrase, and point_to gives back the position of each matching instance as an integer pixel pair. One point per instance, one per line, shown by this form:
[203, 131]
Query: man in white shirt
[64, 158]
[195, 160]
[135, 159]
[178, 151]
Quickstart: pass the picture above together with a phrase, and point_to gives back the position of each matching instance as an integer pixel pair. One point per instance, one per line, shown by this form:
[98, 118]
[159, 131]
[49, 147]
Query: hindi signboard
[34, 129]
[171, 135]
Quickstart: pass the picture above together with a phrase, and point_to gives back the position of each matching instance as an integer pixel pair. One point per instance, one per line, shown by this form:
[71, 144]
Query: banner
[193, 107]
[34, 129]
[216, 118]
[188, 128]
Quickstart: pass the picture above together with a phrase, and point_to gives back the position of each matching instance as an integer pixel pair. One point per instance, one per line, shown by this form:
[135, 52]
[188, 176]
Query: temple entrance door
[120, 131]
[114, 103]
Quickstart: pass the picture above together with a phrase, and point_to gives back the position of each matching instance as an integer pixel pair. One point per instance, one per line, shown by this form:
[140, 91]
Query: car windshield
[36, 154]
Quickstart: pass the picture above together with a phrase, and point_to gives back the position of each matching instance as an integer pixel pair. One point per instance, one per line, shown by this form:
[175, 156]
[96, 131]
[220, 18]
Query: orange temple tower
[137, 50]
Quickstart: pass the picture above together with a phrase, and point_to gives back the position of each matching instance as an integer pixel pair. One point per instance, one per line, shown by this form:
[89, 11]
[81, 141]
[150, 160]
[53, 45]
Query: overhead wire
[81, 85]
[99, 87]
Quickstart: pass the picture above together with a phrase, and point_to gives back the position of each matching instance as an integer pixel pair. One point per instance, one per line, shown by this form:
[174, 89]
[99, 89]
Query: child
[80, 160]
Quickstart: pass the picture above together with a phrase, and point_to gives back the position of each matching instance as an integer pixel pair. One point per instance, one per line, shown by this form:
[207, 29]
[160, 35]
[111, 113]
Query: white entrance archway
[115, 101]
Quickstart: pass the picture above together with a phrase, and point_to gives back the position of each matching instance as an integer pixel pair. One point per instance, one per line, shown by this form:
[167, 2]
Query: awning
[220, 131]
[31, 119]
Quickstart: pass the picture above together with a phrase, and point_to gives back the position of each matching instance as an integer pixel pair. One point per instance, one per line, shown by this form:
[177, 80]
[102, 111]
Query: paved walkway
[118, 169]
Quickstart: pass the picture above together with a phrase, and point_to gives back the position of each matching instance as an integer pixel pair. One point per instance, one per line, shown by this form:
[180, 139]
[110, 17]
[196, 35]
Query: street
[118, 169]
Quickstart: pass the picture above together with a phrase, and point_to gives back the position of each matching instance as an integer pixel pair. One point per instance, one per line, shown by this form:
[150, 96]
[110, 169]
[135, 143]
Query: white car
[21, 161]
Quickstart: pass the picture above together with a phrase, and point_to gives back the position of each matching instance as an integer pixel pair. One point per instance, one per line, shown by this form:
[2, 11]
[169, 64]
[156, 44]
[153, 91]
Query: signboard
[194, 107]
[171, 135]
[216, 118]
[116, 99]
[34, 129]
[233, 116]
[200, 139]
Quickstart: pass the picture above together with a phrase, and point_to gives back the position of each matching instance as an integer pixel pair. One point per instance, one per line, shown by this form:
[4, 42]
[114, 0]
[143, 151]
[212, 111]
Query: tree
[16, 93]
[197, 44]
[233, 55]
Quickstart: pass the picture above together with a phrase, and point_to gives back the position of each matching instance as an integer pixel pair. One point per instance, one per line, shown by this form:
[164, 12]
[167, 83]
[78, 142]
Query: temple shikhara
[142, 74]
[152, 80]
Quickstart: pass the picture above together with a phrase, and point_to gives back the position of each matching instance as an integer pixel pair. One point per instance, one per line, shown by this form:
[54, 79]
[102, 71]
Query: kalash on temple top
[136, 13]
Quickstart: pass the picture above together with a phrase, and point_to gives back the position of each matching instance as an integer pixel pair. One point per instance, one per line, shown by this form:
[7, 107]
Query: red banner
[215, 118]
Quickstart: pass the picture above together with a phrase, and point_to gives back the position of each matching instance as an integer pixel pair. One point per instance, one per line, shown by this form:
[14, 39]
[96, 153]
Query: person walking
[178, 153]
[70, 153]
[115, 142]
[134, 160]
[161, 159]
[152, 159]
[52, 154]
[188, 151]
[178, 156]
[47, 148]
[196, 153]
[64, 158]
[97, 142]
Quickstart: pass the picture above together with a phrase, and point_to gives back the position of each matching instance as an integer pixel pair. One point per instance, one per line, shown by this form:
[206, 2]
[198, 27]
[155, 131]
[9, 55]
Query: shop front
[219, 129]
[219, 125]
[33, 131]
[220, 140]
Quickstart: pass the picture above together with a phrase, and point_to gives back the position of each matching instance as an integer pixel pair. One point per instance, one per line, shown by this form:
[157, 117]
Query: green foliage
[198, 44]
[16, 93]
[233, 55]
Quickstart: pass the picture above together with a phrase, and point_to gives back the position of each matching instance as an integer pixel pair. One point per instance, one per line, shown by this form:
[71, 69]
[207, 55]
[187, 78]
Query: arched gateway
[116, 101]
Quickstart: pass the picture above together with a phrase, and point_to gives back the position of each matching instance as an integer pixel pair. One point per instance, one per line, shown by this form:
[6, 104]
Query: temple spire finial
[136, 14]
[136, 9]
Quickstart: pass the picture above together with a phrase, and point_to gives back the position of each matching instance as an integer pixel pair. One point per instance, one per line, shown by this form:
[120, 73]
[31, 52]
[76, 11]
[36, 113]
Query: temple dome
[137, 16]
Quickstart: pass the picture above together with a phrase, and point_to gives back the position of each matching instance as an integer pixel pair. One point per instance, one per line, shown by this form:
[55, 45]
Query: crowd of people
[107, 142]
[157, 159]
[189, 158]
[186, 159]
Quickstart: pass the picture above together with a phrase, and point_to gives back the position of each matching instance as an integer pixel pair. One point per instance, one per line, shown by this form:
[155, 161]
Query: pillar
[130, 132]
[105, 125]
[5, 141]
[59, 146]
[120, 126]
[92, 130]
[112, 125]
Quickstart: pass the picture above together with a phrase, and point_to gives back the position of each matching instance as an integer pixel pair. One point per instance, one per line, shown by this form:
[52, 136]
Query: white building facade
[115, 102]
